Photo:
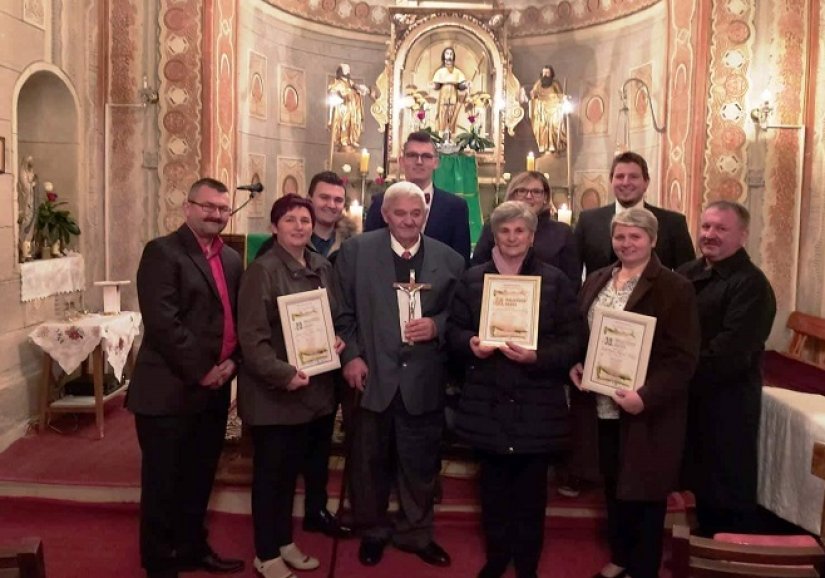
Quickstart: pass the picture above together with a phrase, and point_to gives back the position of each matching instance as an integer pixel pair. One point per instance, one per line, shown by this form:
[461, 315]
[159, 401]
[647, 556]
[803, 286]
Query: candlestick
[356, 213]
[565, 215]
[364, 165]
[531, 161]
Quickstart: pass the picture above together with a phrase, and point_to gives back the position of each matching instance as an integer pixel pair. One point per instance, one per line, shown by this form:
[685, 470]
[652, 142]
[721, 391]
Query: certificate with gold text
[510, 310]
[306, 320]
[618, 351]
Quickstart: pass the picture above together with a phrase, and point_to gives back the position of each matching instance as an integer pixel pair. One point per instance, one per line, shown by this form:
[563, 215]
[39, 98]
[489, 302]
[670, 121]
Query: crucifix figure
[411, 289]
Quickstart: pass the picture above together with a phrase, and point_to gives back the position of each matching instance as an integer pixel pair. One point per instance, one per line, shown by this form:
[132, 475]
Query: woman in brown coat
[637, 436]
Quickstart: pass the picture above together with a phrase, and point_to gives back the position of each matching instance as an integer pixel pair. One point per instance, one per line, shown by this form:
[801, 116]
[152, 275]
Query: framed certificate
[510, 310]
[618, 351]
[308, 333]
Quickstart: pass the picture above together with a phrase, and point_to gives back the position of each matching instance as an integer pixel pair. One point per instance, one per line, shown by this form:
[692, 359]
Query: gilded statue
[547, 112]
[347, 116]
[452, 87]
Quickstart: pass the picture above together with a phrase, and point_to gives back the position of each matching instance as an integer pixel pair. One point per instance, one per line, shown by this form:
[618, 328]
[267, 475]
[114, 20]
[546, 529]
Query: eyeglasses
[422, 157]
[522, 193]
[210, 208]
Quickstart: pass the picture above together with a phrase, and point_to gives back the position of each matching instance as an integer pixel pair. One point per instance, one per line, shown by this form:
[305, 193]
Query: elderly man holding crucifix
[395, 356]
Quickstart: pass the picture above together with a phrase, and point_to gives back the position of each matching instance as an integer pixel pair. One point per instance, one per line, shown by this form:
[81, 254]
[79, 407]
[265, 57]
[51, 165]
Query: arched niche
[45, 126]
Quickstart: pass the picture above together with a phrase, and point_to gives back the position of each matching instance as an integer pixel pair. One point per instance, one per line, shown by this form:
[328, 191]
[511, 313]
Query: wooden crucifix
[411, 289]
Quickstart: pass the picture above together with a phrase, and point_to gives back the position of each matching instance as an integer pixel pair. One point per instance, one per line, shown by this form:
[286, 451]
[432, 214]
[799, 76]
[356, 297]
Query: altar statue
[347, 118]
[547, 112]
[452, 87]
[26, 190]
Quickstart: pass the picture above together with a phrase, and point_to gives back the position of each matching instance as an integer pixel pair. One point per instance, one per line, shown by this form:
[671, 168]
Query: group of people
[691, 425]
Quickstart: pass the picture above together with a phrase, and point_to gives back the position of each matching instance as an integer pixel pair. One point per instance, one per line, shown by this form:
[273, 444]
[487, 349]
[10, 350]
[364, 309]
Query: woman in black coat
[553, 241]
[513, 408]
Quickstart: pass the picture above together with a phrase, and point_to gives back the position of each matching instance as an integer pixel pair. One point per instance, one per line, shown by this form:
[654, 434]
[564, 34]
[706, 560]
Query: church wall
[37, 37]
[284, 50]
[595, 62]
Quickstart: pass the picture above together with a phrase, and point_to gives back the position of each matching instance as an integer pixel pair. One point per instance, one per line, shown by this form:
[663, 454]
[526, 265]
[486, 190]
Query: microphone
[254, 188]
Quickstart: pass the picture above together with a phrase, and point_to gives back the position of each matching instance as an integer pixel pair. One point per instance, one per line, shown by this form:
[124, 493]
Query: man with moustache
[447, 216]
[187, 284]
[736, 311]
[396, 360]
[629, 179]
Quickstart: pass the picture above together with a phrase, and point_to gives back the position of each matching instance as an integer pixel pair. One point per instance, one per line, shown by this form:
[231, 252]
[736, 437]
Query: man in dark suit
[448, 218]
[397, 361]
[736, 312]
[629, 179]
[187, 284]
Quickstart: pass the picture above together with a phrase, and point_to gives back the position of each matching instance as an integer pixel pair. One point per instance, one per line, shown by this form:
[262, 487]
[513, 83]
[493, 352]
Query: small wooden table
[70, 343]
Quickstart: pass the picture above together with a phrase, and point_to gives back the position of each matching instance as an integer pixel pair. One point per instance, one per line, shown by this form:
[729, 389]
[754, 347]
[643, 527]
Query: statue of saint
[26, 206]
[347, 118]
[452, 87]
[547, 112]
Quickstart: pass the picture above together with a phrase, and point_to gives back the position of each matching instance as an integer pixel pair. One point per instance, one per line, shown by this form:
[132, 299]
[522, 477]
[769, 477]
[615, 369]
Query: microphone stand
[245, 203]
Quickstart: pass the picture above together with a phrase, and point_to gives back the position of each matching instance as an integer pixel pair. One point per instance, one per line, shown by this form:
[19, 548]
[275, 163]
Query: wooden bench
[22, 559]
[797, 368]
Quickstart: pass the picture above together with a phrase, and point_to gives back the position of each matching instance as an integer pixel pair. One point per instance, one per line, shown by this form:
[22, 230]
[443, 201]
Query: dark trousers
[713, 519]
[634, 527]
[179, 456]
[315, 469]
[513, 501]
[395, 446]
[280, 454]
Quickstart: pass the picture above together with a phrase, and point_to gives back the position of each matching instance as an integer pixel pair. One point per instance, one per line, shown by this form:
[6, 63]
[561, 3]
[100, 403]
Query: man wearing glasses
[448, 218]
[629, 179]
[187, 284]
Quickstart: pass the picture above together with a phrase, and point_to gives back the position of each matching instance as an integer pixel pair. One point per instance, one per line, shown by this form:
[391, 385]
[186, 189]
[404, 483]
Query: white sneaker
[274, 568]
[297, 559]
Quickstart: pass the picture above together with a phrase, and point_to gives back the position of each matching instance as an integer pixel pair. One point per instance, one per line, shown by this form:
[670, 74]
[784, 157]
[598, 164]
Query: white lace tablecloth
[40, 279]
[790, 424]
[69, 343]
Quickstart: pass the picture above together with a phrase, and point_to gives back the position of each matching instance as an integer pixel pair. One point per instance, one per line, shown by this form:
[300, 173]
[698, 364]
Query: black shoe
[371, 551]
[432, 554]
[494, 568]
[325, 523]
[213, 564]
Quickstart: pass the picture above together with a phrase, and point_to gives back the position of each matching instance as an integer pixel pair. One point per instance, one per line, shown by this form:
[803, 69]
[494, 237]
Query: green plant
[53, 224]
[472, 139]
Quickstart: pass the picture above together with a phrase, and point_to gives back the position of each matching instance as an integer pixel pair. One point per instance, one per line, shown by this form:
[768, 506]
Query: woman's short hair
[510, 211]
[403, 189]
[288, 202]
[521, 178]
[637, 217]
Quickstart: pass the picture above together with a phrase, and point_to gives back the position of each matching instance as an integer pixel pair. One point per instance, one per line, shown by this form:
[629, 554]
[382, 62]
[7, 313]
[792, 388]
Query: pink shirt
[230, 337]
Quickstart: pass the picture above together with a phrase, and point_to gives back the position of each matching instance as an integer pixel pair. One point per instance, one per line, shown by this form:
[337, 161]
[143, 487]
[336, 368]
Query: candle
[531, 161]
[356, 213]
[364, 165]
[565, 214]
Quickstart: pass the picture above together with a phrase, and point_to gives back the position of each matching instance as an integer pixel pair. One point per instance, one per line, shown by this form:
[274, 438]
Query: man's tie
[406, 255]
[427, 198]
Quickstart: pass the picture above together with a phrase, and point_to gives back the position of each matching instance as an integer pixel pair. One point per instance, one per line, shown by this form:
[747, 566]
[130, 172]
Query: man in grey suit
[398, 365]
[629, 179]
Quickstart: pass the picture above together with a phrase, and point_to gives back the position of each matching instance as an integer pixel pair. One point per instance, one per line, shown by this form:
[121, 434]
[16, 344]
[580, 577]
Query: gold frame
[627, 354]
[317, 302]
[524, 307]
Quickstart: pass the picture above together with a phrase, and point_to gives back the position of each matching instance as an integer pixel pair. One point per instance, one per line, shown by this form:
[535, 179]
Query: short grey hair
[403, 189]
[738, 209]
[637, 217]
[510, 211]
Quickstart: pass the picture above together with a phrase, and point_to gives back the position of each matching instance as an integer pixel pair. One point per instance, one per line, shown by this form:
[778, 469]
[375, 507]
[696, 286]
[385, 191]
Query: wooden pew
[818, 469]
[22, 559]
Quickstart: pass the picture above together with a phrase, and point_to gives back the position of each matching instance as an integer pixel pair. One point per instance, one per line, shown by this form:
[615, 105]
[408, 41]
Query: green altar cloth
[458, 174]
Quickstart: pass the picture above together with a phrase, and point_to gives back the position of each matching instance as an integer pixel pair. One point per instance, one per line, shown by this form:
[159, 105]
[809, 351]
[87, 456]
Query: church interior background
[121, 104]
